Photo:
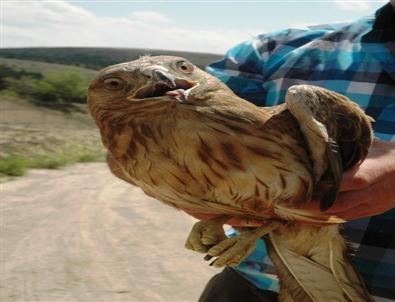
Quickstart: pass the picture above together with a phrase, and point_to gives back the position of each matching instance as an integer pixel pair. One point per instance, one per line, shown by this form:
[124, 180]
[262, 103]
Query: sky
[202, 26]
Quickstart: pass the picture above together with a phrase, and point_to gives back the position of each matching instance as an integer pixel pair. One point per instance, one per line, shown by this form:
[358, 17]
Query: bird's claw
[205, 234]
[232, 251]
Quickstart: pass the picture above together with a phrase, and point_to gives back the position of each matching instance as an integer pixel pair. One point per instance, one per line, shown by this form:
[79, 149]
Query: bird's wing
[338, 133]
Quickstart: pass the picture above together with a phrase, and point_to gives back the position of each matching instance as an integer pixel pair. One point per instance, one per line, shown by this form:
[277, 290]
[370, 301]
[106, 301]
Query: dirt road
[79, 234]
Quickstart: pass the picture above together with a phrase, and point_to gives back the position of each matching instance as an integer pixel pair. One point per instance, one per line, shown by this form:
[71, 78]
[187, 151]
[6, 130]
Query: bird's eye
[113, 83]
[185, 67]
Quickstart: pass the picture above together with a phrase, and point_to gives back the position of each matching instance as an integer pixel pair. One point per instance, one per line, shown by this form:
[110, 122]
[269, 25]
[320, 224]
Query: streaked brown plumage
[187, 140]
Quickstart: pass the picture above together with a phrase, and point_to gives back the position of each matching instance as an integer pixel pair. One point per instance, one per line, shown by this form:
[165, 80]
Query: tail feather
[319, 273]
[344, 273]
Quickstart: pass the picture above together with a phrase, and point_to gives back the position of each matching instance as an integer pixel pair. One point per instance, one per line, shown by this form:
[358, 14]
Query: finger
[349, 200]
[348, 180]
[362, 211]
[358, 212]
[373, 200]
[357, 179]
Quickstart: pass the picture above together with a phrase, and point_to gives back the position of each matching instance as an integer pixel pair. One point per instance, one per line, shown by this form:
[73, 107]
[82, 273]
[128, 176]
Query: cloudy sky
[204, 26]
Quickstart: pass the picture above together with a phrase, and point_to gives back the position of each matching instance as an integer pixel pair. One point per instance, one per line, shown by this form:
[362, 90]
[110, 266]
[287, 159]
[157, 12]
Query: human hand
[368, 189]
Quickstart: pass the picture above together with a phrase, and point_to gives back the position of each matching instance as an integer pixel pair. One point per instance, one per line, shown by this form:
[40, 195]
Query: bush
[53, 88]
[7, 72]
[13, 166]
[68, 87]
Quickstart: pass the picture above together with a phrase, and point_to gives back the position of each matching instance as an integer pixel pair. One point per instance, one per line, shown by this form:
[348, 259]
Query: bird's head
[150, 81]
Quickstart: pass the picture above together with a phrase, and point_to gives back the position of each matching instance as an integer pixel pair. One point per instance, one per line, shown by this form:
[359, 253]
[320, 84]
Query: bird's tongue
[178, 94]
[175, 93]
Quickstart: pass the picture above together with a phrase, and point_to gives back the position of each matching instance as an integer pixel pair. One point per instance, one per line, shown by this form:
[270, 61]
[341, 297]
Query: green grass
[17, 165]
[13, 166]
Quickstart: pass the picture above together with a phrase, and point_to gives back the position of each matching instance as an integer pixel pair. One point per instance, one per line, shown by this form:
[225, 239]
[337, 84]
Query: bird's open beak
[163, 84]
[166, 78]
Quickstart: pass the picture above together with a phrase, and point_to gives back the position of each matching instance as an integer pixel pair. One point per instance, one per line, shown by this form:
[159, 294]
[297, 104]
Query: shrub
[56, 88]
[68, 87]
[13, 166]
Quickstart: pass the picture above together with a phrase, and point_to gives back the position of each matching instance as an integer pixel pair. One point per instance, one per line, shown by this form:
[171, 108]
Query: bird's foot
[233, 250]
[205, 234]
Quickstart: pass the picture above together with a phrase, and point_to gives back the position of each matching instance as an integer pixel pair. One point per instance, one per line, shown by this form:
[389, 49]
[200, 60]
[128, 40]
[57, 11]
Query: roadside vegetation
[44, 122]
[18, 165]
[59, 90]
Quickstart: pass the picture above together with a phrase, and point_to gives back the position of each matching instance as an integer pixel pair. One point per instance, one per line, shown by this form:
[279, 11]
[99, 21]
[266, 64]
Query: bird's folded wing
[338, 133]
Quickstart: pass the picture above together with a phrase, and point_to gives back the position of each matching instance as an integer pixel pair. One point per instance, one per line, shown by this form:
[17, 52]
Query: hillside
[43, 68]
[97, 58]
[43, 135]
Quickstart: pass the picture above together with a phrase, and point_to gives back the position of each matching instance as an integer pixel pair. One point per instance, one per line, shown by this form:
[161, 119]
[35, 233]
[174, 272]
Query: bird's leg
[206, 233]
[233, 250]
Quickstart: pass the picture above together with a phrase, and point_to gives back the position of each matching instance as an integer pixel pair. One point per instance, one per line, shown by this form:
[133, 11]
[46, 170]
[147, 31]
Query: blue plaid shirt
[356, 60]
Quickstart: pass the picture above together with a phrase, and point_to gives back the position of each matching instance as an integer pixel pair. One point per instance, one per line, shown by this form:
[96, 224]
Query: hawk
[186, 139]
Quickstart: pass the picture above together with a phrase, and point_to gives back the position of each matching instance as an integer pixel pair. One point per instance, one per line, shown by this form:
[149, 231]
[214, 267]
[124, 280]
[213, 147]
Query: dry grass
[36, 137]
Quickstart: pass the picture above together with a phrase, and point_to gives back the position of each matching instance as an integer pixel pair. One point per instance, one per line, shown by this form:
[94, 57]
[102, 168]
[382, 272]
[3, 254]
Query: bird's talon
[208, 240]
[205, 234]
[232, 250]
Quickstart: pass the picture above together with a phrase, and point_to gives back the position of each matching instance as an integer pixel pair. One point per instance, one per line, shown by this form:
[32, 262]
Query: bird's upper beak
[164, 77]
[160, 83]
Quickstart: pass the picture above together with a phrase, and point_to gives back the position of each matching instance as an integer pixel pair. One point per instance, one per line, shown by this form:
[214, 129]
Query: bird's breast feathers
[208, 165]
